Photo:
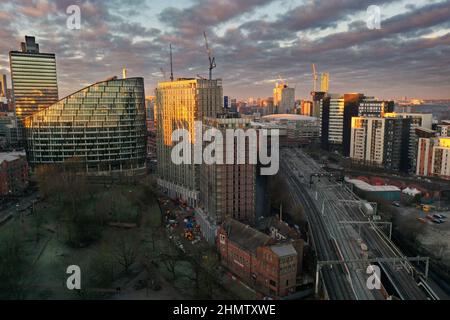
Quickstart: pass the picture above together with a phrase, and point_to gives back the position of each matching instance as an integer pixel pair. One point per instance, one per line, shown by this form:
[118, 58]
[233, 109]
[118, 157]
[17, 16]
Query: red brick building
[13, 173]
[266, 264]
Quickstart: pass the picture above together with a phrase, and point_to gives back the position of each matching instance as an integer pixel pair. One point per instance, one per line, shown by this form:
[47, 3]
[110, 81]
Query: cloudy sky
[255, 42]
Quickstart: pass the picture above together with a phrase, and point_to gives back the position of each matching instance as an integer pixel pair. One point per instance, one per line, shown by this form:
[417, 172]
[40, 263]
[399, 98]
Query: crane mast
[315, 77]
[212, 59]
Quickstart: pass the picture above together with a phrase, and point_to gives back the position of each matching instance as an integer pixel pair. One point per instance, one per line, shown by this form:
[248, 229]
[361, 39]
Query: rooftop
[368, 187]
[284, 250]
[245, 236]
[425, 130]
[288, 117]
[11, 156]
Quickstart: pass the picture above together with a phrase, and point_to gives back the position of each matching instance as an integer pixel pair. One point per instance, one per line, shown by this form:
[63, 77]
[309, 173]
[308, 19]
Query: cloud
[258, 40]
[204, 14]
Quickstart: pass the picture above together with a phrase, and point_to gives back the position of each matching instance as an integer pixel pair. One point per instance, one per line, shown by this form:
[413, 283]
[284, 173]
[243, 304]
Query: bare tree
[170, 262]
[125, 251]
[102, 267]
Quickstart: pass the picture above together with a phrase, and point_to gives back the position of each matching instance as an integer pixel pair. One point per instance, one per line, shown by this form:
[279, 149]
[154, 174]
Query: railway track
[333, 241]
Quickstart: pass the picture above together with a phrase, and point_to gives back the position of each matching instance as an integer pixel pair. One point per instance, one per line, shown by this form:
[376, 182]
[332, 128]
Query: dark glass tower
[33, 77]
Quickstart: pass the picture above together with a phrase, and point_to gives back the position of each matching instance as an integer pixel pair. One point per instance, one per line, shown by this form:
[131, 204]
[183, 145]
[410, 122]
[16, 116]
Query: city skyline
[253, 41]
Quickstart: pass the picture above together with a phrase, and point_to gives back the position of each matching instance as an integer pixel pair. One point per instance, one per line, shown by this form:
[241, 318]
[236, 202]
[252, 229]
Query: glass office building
[33, 77]
[102, 126]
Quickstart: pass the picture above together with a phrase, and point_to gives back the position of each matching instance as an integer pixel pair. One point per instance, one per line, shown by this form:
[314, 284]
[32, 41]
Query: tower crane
[315, 77]
[325, 82]
[212, 59]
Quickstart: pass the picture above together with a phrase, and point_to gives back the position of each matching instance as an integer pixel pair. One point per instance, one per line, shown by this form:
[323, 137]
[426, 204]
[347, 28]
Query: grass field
[112, 262]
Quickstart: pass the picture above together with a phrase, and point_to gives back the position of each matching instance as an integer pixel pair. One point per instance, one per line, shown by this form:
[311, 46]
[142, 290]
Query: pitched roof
[245, 236]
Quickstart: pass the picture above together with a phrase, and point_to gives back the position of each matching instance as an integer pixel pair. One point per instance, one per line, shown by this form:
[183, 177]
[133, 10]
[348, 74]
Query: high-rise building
[150, 111]
[380, 142]
[4, 100]
[179, 104]
[229, 190]
[336, 120]
[283, 98]
[317, 99]
[418, 120]
[101, 126]
[367, 140]
[372, 107]
[3, 86]
[306, 108]
[424, 164]
[11, 130]
[267, 105]
[441, 158]
[33, 78]
[323, 106]
[336, 113]
[433, 157]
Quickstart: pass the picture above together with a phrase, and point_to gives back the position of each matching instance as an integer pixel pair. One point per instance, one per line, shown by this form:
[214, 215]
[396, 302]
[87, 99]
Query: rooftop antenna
[212, 59]
[171, 64]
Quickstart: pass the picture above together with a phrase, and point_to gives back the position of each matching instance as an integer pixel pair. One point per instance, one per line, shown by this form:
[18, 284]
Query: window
[222, 239]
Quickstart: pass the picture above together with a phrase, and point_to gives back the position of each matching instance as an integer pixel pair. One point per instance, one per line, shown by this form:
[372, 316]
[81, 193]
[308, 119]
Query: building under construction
[179, 104]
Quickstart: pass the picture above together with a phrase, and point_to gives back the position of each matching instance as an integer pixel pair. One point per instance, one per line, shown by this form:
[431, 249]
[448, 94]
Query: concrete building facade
[434, 157]
[283, 98]
[229, 190]
[179, 104]
[380, 142]
[417, 120]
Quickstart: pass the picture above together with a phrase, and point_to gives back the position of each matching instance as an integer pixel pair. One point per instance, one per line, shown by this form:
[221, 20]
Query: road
[333, 211]
[23, 203]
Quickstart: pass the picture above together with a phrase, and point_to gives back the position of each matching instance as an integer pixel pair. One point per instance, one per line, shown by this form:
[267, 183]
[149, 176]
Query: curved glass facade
[102, 126]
